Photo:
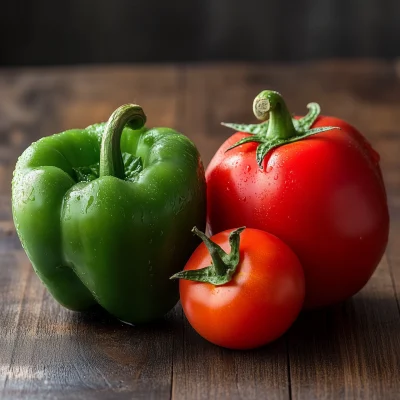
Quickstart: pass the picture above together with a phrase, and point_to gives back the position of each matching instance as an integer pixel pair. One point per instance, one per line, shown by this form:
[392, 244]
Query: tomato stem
[223, 265]
[280, 129]
[280, 120]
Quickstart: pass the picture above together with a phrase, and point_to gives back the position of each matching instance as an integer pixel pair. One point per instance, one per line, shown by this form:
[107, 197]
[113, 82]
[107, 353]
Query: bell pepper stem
[111, 163]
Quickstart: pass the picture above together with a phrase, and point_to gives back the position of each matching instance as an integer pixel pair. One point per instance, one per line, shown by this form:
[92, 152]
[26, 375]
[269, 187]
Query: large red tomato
[322, 194]
[249, 295]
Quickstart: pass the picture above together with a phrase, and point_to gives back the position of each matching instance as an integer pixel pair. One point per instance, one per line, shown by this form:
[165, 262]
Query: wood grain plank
[350, 351]
[14, 274]
[389, 147]
[202, 370]
[47, 351]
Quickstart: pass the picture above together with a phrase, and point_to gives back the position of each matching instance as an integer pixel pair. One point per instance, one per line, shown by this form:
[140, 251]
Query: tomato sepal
[254, 129]
[301, 125]
[223, 265]
[280, 129]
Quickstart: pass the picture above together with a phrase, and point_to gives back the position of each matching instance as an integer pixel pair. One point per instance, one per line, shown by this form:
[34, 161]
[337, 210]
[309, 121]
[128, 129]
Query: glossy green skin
[110, 241]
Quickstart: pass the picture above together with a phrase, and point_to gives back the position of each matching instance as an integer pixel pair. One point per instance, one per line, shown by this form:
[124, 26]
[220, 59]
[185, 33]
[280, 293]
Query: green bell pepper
[105, 213]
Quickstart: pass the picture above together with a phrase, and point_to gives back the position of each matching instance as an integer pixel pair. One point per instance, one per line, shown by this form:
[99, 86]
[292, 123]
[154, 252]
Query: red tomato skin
[324, 196]
[261, 301]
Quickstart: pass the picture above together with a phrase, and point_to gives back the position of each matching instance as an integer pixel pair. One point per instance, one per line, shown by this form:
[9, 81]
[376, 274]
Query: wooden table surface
[349, 351]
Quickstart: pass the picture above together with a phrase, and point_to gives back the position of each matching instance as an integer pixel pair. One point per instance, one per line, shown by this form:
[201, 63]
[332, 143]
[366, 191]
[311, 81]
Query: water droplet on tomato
[269, 168]
[248, 168]
[276, 177]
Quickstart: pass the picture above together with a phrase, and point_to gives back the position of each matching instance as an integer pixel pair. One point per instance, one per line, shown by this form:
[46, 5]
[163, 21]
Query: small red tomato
[242, 289]
[321, 191]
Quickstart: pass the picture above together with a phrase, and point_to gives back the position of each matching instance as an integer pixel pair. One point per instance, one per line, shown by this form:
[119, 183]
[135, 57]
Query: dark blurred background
[48, 32]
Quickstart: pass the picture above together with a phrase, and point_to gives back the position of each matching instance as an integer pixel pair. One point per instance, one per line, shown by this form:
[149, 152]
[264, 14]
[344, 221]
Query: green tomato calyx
[280, 129]
[223, 265]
